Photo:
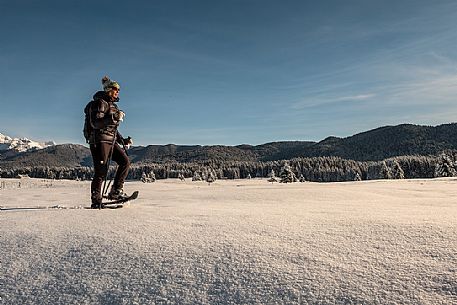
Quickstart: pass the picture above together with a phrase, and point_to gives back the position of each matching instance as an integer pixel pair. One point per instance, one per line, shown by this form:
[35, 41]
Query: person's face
[114, 93]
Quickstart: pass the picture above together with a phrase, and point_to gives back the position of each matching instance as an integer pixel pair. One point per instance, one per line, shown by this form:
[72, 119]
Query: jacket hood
[102, 95]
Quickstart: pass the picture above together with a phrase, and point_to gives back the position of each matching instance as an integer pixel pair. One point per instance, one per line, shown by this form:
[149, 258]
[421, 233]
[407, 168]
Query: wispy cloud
[325, 101]
[443, 89]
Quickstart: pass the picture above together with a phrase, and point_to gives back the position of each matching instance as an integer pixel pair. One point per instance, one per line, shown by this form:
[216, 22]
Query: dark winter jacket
[101, 119]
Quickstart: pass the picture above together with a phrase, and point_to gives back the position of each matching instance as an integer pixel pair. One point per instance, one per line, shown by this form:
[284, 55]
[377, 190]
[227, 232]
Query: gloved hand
[119, 116]
[127, 142]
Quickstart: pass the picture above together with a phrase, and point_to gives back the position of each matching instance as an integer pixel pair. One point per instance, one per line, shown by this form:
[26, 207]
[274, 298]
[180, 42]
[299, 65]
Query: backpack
[88, 128]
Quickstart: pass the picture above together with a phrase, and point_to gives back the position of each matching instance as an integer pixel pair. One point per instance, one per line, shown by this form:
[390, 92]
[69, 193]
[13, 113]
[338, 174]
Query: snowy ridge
[21, 144]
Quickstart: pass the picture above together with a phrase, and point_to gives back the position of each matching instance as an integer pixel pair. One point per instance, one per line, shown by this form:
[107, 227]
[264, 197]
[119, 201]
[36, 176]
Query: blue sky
[228, 72]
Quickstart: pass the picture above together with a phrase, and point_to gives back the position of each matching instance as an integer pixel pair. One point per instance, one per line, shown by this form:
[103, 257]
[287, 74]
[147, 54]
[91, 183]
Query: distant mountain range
[21, 144]
[376, 144]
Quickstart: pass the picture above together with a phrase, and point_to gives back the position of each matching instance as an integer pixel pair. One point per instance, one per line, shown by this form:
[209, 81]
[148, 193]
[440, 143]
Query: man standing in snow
[100, 130]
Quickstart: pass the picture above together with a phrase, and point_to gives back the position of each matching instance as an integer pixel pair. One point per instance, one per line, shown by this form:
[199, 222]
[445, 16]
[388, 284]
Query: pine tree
[144, 178]
[287, 175]
[357, 177]
[152, 176]
[272, 177]
[397, 171]
[445, 167]
[196, 177]
[210, 177]
[385, 171]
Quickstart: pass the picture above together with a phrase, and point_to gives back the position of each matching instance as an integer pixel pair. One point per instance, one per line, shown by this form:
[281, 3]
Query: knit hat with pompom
[109, 84]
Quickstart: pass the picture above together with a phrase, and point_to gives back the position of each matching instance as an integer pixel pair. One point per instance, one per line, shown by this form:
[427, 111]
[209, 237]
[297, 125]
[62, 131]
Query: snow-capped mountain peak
[21, 144]
[4, 138]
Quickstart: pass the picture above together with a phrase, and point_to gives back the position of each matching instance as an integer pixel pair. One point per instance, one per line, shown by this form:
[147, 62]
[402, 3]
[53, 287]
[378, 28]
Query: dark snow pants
[100, 153]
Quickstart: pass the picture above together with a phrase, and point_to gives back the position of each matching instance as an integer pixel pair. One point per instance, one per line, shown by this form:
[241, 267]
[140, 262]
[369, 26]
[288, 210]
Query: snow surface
[231, 242]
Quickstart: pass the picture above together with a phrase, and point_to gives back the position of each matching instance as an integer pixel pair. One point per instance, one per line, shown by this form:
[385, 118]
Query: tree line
[318, 169]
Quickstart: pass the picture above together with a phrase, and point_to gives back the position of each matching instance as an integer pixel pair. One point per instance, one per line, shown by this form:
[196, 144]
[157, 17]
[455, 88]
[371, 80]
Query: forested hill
[388, 141]
[65, 155]
[376, 144]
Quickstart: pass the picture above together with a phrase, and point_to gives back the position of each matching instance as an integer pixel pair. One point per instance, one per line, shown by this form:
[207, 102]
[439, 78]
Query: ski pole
[108, 165]
[125, 149]
[109, 183]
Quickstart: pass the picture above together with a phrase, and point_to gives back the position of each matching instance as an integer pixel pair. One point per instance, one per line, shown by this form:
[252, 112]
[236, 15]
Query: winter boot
[117, 194]
[96, 201]
[97, 206]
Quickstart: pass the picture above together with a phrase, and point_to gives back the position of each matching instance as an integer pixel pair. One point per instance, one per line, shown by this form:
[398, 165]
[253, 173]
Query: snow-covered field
[232, 242]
